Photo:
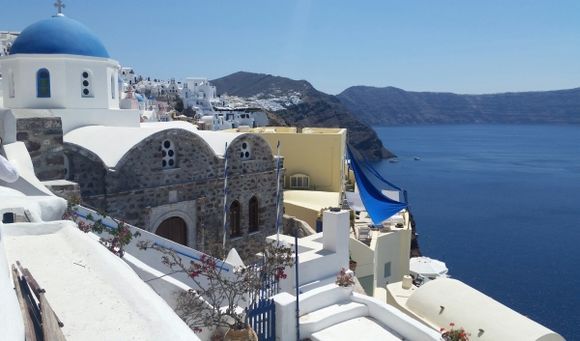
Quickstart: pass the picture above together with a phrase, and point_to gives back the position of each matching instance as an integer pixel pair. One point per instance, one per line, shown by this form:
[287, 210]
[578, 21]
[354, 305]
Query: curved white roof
[448, 300]
[110, 144]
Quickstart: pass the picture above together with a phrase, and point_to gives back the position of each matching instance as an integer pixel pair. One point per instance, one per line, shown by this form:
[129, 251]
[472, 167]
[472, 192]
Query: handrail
[110, 227]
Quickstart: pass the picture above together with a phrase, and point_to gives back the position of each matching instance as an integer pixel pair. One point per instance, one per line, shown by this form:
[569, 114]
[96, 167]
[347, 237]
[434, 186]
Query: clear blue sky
[459, 46]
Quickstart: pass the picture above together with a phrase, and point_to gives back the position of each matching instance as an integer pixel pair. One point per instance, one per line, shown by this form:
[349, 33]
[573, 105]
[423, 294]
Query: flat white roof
[93, 292]
[360, 328]
[315, 200]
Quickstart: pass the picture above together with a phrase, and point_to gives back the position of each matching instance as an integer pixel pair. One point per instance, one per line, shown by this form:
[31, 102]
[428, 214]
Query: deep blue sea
[500, 204]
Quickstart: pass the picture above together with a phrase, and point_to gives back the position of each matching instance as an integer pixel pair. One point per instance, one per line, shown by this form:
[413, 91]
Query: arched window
[254, 214]
[87, 84]
[235, 230]
[113, 86]
[167, 154]
[43, 83]
[67, 173]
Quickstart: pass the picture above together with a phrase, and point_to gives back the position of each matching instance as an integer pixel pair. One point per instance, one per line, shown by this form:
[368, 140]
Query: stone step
[330, 315]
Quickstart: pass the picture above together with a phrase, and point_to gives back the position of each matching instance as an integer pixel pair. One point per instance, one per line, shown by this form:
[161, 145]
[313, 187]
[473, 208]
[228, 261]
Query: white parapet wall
[95, 294]
[11, 324]
[321, 256]
[324, 297]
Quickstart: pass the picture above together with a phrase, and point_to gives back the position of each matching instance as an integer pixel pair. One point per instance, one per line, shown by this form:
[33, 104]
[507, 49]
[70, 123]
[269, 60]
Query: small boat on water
[393, 160]
[416, 158]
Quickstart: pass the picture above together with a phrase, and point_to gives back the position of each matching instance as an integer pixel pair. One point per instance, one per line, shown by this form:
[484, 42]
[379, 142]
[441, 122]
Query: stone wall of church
[86, 169]
[139, 184]
[43, 139]
[142, 166]
[134, 206]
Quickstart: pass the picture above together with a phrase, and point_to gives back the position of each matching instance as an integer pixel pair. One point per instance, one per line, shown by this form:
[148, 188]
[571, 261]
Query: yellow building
[314, 167]
[313, 157]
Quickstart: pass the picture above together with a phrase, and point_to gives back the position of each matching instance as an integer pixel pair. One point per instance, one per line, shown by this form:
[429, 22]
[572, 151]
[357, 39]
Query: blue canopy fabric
[378, 206]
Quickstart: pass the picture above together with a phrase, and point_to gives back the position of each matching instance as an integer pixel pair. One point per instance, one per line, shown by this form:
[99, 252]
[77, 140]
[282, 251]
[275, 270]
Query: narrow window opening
[254, 211]
[43, 83]
[11, 90]
[235, 230]
[113, 86]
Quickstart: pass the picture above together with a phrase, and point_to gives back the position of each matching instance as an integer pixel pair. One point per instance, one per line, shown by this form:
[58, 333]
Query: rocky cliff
[302, 105]
[393, 106]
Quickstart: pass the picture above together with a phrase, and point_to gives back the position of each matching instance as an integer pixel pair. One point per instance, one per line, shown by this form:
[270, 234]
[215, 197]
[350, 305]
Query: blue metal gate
[261, 316]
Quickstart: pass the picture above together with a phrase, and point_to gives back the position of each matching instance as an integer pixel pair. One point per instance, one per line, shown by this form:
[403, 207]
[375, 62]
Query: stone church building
[60, 95]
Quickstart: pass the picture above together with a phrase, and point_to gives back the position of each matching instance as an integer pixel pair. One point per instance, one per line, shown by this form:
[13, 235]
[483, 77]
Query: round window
[167, 154]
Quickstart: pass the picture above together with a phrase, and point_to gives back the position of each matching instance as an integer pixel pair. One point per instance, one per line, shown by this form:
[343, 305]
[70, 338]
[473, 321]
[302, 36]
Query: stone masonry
[43, 139]
[138, 185]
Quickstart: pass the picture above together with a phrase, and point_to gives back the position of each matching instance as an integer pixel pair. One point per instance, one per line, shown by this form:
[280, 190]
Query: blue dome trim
[59, 35]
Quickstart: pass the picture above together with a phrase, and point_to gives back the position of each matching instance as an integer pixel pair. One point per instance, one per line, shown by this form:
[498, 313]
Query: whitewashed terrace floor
[360, 328]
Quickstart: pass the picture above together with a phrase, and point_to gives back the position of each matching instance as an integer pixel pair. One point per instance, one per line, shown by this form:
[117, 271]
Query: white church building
[59, 82]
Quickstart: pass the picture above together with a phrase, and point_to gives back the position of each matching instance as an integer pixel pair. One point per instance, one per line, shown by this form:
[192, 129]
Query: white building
[6, 40]
[59, 68]
[443, 301]
[74, 71]
[198, 94]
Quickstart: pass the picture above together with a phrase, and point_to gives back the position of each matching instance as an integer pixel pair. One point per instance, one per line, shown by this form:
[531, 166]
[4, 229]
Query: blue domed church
[59, 63]
[60, 103]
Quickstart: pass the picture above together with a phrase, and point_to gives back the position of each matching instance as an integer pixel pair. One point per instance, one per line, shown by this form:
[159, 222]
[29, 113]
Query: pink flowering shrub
[344, 278]
[453, 334]
[215, 288]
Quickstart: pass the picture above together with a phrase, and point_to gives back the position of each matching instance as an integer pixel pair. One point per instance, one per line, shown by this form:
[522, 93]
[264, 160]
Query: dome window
[43, 83]
[167, 155]
[87, 84]
[245, 151]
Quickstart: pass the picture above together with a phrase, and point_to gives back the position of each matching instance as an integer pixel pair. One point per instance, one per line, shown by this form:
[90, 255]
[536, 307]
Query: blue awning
[378, 206]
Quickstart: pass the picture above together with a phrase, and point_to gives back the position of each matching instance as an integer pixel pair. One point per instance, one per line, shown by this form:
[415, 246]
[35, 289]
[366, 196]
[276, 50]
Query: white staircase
[330, 315]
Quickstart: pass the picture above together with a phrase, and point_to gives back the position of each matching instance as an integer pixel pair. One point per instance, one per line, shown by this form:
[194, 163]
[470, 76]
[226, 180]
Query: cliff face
[306, 107]
[393, 106]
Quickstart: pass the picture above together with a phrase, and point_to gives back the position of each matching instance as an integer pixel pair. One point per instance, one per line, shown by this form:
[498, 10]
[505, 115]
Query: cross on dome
[59, 6]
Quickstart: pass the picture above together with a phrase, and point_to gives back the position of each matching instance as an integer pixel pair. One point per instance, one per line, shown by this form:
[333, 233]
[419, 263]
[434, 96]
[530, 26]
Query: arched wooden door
[174, 229]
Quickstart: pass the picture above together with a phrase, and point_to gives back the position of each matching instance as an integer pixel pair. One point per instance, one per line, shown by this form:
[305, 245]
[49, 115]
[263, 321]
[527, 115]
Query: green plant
[116, 238]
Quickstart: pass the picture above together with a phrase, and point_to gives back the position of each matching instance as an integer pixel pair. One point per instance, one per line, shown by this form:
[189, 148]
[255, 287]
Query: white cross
[59, 6]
